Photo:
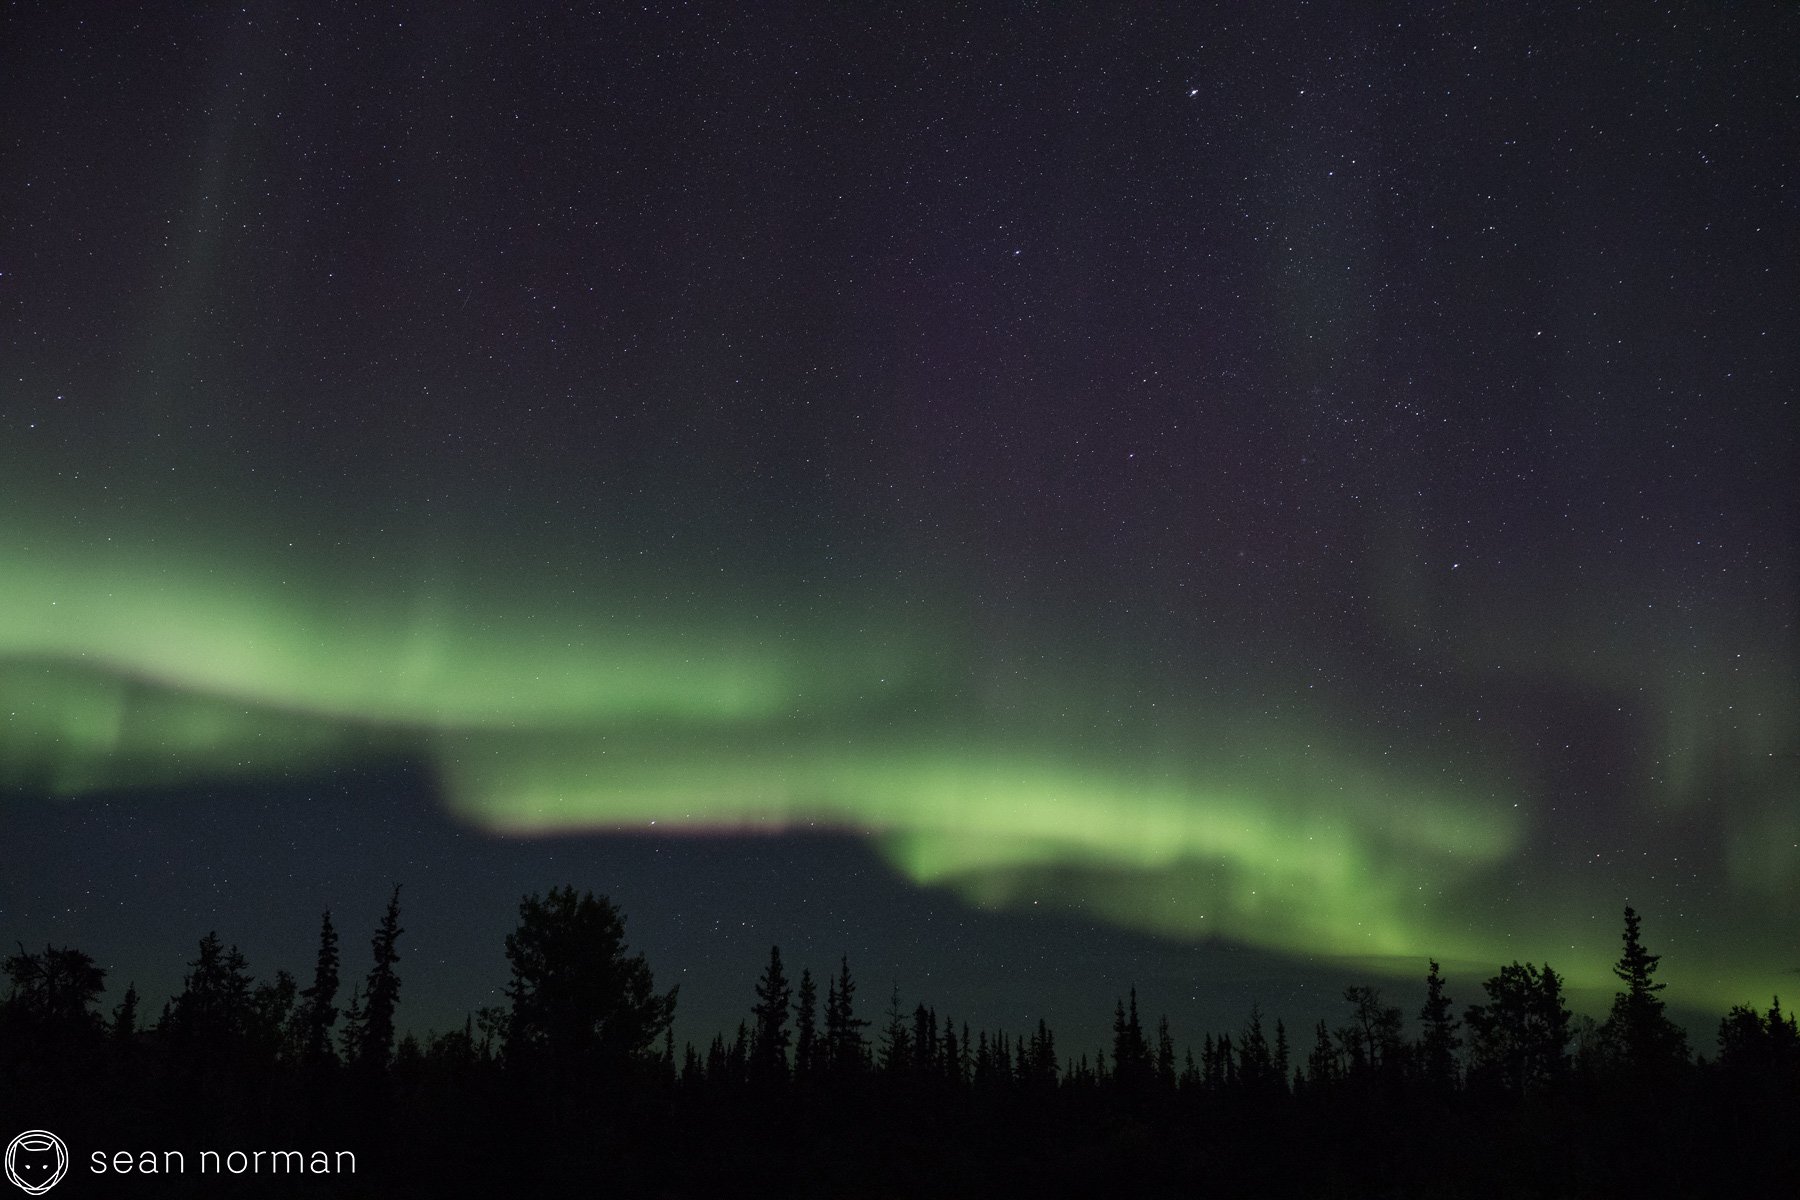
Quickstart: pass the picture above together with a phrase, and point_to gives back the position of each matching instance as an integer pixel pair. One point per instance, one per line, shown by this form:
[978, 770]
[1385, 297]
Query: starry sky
[1232, 499]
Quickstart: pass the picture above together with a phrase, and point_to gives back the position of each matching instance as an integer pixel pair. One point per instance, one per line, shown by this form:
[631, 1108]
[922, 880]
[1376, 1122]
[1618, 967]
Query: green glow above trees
[1299, 827]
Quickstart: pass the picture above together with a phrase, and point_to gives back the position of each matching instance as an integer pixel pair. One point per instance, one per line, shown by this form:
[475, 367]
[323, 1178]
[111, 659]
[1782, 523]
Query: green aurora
[1302, 829]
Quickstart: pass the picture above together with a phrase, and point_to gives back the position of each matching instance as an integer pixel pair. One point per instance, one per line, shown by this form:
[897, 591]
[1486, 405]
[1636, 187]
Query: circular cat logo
[37, 1160]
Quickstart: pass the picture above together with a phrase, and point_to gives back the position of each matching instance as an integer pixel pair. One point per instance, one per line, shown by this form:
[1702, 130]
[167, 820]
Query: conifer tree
[924, 1042]
[1784, 1038]
[1519, 1039]
[580, 1000]
[1750, 1041]
[984, 1063]
[1638, 1031]
[1132, 1066]
[1003, 1060]
[768, 1062]
[1043, 1055]
[737, 1059]
[319, 1009]
[381, 993]
[124, 1022]
[350, 1034]
[1256, 1065]
[212, 1013]
[843, 1028]
[1439, 1041]
[717, 1060]
[272, 1019]
[806, 1037]
[1322, 1065]
[896, 1042]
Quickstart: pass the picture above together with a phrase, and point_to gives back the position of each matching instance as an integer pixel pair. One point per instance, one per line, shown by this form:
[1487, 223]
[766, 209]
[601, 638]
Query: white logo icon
[37, 1160]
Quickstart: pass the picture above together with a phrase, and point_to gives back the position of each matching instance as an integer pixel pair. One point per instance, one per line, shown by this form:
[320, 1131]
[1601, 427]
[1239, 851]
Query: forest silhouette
[576, 1086]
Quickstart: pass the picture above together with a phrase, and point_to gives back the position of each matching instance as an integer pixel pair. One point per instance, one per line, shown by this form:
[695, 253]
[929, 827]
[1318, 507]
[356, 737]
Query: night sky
[1235, 499]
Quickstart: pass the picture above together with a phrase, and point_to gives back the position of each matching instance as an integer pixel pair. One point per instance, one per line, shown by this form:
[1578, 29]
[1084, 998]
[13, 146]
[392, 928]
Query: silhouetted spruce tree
[580, 1000]
[350, 1033]
[1132, 1065]
[453, 1055]
[1519, 1039]
[1281, 1053]
[1043, 1055]
[717, 1060]
[212, 1013]
[1439, 1041]
[953, 1054]
[896, 1042]
[1003, 1060]
[949, 1051]
[1784, 1038]
[769, 1045]
[381, 993]
[1741, 1038]
[125, 1016]
[843, 1028]
[1323, 1067]
[806, 1036]
[737, 1059]
[1760, 1043]
[318, 1009]
[271, 1030]
[1352, 1055]
[1256, 1064]
[1165, 1053]
[409, 1058]
[1639, 1033]
[924, 1042]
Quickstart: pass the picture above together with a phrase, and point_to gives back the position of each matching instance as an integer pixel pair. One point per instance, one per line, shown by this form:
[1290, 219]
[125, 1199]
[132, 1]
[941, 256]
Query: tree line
[580, 1066]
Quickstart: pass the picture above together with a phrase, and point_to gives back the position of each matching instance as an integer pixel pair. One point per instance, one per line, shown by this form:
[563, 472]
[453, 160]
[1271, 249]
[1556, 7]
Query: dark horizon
[578, 1080]
[452, 955]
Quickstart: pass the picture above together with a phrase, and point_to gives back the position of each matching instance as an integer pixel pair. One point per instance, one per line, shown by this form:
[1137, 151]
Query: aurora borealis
[1302, 480]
